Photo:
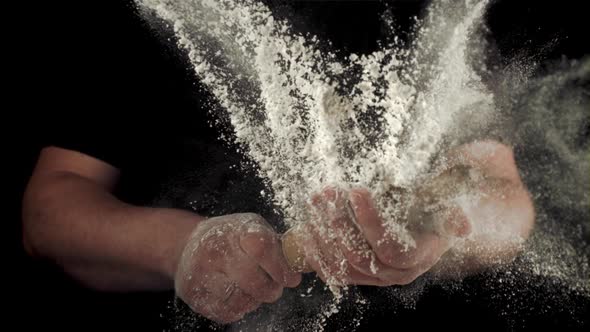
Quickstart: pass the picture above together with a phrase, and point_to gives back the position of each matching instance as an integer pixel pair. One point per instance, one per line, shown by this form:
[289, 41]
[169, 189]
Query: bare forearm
[105, 243]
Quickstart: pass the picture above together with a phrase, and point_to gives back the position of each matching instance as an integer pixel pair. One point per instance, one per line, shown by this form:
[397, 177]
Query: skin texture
[240, 266]
[71, 218]
[225, 267]
[478, 234]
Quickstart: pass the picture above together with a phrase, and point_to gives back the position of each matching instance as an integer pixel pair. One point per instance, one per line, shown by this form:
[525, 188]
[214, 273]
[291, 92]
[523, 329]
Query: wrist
[176, 243]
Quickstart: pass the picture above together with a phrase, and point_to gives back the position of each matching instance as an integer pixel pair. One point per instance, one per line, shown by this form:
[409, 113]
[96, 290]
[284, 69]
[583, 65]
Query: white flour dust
[289, 107]
[309, 119]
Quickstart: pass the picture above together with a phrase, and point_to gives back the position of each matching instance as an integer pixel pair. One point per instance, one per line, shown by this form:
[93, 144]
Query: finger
[215, 313]
[415, 267]
[241, 303]
[357, 251]
[320, 238]
[328, 261]
[209, 298]
[264, 247]
[369, 222]
[319, 252]
[231, 309]
[348, 238]
[220, 313]
[254, 281]
[352, 277]
[218, 284]
[407, 264]
[339, 272]
[429, 247]
[355, 245]
[349, 245]
[319, 258]
[369, 269]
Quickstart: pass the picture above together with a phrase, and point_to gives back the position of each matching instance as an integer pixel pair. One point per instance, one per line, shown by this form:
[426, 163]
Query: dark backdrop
[40, 40]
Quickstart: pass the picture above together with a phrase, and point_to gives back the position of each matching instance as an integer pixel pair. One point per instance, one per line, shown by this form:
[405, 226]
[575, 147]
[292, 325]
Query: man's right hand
[343, 251]
[230, 265]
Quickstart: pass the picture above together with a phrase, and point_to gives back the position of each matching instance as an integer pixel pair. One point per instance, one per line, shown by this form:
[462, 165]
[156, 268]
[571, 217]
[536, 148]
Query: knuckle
[358, 260]
[214, 251]
[387, 257]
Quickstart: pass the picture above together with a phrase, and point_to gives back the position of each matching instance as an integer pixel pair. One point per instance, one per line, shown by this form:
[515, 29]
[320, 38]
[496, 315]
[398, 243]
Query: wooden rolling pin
[429, 198]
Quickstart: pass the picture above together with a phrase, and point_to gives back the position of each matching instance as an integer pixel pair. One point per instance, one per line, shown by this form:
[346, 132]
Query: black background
[52, 75]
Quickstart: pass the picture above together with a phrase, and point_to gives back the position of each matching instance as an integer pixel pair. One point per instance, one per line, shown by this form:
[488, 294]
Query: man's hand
[230, 265]
[350, 244]
[222, 267]
[501, 212]
[361, 251]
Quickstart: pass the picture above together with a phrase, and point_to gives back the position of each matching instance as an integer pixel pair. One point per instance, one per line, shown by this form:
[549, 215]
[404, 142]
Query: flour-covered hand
[230, 265]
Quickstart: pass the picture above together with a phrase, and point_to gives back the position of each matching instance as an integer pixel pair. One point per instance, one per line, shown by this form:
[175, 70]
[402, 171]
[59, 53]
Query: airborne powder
[305, 131]
[309, 119]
